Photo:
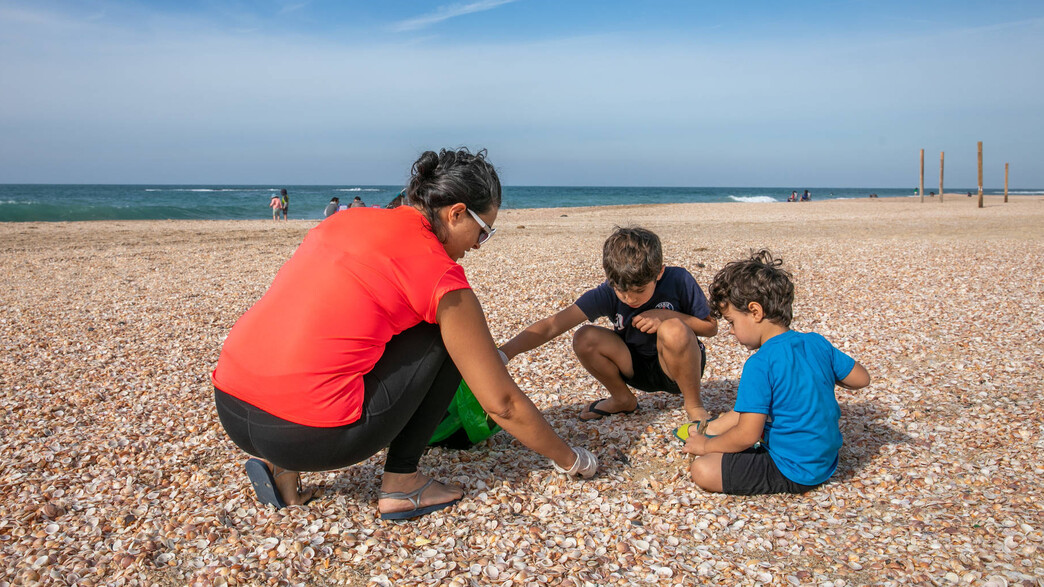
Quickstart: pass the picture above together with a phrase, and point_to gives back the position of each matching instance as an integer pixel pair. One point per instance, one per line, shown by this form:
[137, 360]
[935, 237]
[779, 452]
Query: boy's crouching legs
[605, 356]
[706, 472]
[680, 358]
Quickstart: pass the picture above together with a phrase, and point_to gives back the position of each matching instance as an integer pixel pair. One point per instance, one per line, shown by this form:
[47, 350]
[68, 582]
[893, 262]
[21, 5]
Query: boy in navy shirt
[656, 313]
[786, 392]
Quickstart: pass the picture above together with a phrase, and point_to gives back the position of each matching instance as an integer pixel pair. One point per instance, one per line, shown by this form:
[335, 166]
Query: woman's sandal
[264, 483]
[414, 497]
[265, 486]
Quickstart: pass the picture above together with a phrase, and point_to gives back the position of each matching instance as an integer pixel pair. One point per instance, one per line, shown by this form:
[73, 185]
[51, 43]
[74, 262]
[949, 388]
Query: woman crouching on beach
[361, 340]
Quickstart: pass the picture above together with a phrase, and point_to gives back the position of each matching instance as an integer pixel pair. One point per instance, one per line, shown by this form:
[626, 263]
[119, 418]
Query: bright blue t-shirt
[676, 290]
[791, 380]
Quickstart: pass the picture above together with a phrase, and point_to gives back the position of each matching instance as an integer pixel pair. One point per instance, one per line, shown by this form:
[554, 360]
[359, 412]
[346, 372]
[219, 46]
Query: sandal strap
[284, 472]
[413, 496]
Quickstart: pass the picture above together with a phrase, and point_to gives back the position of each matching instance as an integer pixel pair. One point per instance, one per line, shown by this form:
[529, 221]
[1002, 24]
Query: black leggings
[406, 396]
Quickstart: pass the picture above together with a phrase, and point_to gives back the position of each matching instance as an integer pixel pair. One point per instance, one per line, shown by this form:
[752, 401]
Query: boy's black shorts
[649, 376]
[752, 472]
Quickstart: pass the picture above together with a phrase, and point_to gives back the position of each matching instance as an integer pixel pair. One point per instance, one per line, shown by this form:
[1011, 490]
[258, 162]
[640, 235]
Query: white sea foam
[753, 199]
[357, 190]
[1027, 193]
[195, 190]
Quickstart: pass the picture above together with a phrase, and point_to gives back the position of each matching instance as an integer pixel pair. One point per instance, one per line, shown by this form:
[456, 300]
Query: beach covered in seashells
[114, 469]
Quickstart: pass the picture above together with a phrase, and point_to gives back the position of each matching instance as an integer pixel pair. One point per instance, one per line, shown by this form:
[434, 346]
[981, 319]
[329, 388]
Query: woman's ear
[453, 214]
[457, 212]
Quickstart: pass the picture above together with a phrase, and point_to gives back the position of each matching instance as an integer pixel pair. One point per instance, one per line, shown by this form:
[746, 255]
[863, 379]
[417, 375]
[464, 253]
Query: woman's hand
[585, 465]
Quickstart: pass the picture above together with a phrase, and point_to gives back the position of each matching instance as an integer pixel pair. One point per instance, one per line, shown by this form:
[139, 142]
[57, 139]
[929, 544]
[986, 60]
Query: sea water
[39, 202]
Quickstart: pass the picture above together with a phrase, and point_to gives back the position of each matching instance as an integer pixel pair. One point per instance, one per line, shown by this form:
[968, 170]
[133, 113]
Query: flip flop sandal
[264, 483]
[684, 431]
[602, 413]
[415, 497]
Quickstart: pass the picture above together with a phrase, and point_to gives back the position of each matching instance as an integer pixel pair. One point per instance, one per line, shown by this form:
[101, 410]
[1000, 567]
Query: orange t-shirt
[357, 279]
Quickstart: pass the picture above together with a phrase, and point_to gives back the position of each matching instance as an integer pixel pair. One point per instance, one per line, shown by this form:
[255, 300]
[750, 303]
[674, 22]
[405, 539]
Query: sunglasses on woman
[487, 231]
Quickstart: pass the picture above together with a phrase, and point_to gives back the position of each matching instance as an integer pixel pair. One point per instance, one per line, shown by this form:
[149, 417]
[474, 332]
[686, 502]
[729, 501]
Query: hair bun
[426, 164]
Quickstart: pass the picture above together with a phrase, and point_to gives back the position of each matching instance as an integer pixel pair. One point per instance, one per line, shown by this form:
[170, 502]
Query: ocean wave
[753, 199]
[1027, 192]
[199, 190]
[357, 190]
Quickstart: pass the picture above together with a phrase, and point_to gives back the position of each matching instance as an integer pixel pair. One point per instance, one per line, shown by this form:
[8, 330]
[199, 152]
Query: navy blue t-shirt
[677, 290]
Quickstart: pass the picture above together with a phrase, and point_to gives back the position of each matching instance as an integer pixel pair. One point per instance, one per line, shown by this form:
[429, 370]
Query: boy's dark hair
[631, 257]
[761, 279]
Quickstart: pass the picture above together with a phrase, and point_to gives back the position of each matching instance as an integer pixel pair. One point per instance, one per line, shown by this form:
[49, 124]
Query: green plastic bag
[465, 423]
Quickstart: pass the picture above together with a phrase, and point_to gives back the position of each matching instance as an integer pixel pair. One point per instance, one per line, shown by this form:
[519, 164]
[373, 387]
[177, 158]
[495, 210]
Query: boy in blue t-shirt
[786, 392]
[656, 313]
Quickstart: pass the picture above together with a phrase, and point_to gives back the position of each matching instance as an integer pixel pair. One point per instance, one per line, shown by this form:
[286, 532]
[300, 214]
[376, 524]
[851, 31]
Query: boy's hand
[649, 320]
[696, 445]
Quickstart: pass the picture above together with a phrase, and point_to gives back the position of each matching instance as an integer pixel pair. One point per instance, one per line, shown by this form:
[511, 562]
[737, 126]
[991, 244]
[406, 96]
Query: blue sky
[658, 93]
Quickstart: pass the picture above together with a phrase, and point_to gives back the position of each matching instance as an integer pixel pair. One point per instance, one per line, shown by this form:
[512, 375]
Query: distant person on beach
[969, 194]
[793, 196]
[806, 197]
[657, 314]
[782, 435]
[357, 203]
[284, 200]
[304, 388]
[276, 205]
[332, 207]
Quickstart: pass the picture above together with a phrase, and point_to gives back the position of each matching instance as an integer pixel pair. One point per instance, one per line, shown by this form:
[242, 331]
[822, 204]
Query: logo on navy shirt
[665, 306]
[618, 323]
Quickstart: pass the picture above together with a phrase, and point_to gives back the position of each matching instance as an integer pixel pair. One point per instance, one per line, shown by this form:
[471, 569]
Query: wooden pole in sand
[1005, 183]
[922, 176]
[942, 160]
[980, 174]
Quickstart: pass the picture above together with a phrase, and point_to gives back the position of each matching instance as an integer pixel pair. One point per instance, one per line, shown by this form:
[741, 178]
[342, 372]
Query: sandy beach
[115, 470]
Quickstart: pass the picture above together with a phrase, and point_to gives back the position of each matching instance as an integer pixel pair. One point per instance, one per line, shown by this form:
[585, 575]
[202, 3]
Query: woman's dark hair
[761, 279]
[632, 257]
[451, 177]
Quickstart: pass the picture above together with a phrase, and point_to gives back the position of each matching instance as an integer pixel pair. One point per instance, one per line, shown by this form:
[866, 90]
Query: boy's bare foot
[398, 483]
[607, 407]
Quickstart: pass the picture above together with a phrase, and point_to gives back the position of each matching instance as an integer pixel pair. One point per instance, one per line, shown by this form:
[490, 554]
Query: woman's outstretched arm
[472, 349]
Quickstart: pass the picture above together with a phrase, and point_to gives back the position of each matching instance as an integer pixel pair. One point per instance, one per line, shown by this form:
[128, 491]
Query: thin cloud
[445, 13]
[292, 7]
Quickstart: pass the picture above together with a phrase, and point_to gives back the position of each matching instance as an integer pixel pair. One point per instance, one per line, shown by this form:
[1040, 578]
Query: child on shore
[657, 313]
[786, 392]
